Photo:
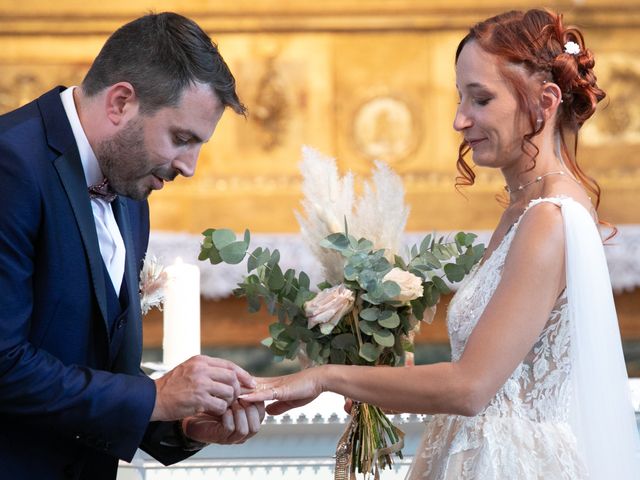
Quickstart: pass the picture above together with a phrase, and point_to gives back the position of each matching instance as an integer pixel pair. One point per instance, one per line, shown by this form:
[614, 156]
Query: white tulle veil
[601, 411]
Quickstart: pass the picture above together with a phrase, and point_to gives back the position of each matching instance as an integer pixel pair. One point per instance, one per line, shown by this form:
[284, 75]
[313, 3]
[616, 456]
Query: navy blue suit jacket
[72, 397]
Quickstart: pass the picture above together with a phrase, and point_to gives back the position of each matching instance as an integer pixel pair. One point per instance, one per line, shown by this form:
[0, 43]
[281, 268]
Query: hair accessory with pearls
[572, 48]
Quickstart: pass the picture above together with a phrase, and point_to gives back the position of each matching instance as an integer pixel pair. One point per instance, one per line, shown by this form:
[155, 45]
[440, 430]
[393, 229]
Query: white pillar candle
[181, 339]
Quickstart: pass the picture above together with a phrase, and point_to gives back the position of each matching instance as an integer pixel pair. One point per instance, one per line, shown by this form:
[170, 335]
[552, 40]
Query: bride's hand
[288, 391]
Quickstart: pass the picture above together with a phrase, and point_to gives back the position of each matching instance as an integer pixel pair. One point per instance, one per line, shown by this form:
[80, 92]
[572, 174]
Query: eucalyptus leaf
[214, 256]
[370, 314]
[276, 329]
[252, 261]
[368, 328]
[292, 349]
[351, 272]
[365, 245]
[336, 241]
[303, 333]
[272, 303]
[303, 281]
[418, 307]
[338, 357]
[233, 253]
[276, 278]
[399, 262]
[391, 289]
[267, 342]
[302, 297]
[275, 258]
[440, 253]
[253, 304]
[369, 352]
[313, 350]
[440, 285]
[222, 237]
[431, 293]
[469, 239]
[391, 321]
[454, 273]
[431, 260]
[343, 341]
[289, 278]
[208, 232]
[384, 337]
[425, 244]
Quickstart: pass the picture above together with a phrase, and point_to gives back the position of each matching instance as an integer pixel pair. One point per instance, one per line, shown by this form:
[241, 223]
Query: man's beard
[125, 162]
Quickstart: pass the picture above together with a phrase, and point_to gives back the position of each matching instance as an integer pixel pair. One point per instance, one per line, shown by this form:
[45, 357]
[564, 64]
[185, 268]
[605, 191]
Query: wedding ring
[274, 394]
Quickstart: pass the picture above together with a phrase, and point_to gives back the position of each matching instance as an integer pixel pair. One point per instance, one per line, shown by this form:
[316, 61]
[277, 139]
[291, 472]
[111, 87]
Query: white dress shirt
[110, 240]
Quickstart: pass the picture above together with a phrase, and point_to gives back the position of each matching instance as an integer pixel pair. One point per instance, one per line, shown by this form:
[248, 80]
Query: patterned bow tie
[102, 190]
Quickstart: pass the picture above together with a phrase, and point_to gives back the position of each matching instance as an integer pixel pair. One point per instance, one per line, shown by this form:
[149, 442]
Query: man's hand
[239, 423]
[200, 385]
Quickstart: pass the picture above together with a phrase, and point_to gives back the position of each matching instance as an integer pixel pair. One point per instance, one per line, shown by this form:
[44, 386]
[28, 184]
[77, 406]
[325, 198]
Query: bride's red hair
[535, 40]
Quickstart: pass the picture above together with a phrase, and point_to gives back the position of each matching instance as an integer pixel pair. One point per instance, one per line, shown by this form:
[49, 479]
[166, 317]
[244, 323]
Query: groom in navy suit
[76, 167]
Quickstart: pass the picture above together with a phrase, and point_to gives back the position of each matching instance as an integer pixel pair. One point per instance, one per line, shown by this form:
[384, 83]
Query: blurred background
[359, 80]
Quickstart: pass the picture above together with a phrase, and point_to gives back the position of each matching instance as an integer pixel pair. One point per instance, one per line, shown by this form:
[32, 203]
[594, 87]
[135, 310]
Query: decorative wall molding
[218, 281]
[76, 17]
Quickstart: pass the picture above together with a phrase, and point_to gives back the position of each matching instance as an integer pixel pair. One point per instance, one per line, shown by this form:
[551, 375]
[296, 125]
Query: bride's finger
[263, 394]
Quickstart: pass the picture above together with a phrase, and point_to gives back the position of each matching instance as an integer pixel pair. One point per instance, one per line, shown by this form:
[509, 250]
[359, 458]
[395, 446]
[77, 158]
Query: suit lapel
[71, 175]
[69, 167]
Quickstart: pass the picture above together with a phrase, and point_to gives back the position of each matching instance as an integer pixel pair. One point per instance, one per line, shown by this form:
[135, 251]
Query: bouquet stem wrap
[367, 443]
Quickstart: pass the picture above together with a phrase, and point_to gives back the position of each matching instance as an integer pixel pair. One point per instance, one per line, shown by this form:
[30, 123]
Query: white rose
[328, 307]
[410, 285]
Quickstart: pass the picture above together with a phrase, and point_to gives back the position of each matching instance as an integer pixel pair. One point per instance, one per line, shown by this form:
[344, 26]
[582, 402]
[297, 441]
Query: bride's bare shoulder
[565, 186]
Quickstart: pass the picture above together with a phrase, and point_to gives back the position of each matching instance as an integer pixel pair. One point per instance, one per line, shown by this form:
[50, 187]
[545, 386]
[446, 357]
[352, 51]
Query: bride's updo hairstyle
[538, 42]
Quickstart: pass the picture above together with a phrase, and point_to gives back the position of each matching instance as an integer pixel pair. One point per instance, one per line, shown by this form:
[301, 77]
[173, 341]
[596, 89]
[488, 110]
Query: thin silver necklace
[538, 179]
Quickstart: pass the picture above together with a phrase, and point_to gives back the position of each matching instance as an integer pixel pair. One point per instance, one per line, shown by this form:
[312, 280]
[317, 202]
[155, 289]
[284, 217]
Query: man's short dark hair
[160, 55]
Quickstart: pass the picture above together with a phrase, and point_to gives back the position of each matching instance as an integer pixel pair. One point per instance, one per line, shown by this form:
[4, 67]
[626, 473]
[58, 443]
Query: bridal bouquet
[371, 301]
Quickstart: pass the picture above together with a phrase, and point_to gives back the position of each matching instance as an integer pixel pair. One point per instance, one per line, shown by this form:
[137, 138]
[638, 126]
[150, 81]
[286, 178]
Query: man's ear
[121, 103]
[551, 98]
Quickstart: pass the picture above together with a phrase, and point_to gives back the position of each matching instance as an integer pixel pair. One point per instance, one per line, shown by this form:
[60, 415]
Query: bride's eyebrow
[475, 86]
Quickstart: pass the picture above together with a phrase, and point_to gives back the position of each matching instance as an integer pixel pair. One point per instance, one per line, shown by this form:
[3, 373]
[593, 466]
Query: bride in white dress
[536, 387]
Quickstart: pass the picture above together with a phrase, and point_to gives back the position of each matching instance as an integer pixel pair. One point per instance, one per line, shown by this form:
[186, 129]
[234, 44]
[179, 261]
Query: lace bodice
[538, 389]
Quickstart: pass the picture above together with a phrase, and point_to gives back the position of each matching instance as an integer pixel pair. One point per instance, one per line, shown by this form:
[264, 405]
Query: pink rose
[328, 307]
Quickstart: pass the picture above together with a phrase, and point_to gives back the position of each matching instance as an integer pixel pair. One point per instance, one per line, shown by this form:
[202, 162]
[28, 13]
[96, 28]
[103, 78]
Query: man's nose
[186, 162]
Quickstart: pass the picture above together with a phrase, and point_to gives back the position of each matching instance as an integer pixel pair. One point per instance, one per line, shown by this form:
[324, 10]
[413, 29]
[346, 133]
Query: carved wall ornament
[20, 84]
[270, 108]
[618, 118]
[386, 128]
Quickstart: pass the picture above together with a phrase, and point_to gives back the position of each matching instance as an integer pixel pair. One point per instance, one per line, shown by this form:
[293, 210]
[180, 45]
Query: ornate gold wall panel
[357, 79]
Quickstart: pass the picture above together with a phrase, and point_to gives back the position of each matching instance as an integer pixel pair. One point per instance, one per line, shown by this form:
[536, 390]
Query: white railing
[299, 445]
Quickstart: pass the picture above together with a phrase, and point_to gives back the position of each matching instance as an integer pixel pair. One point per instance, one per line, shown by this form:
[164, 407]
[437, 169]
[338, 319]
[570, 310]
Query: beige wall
[358, 79]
